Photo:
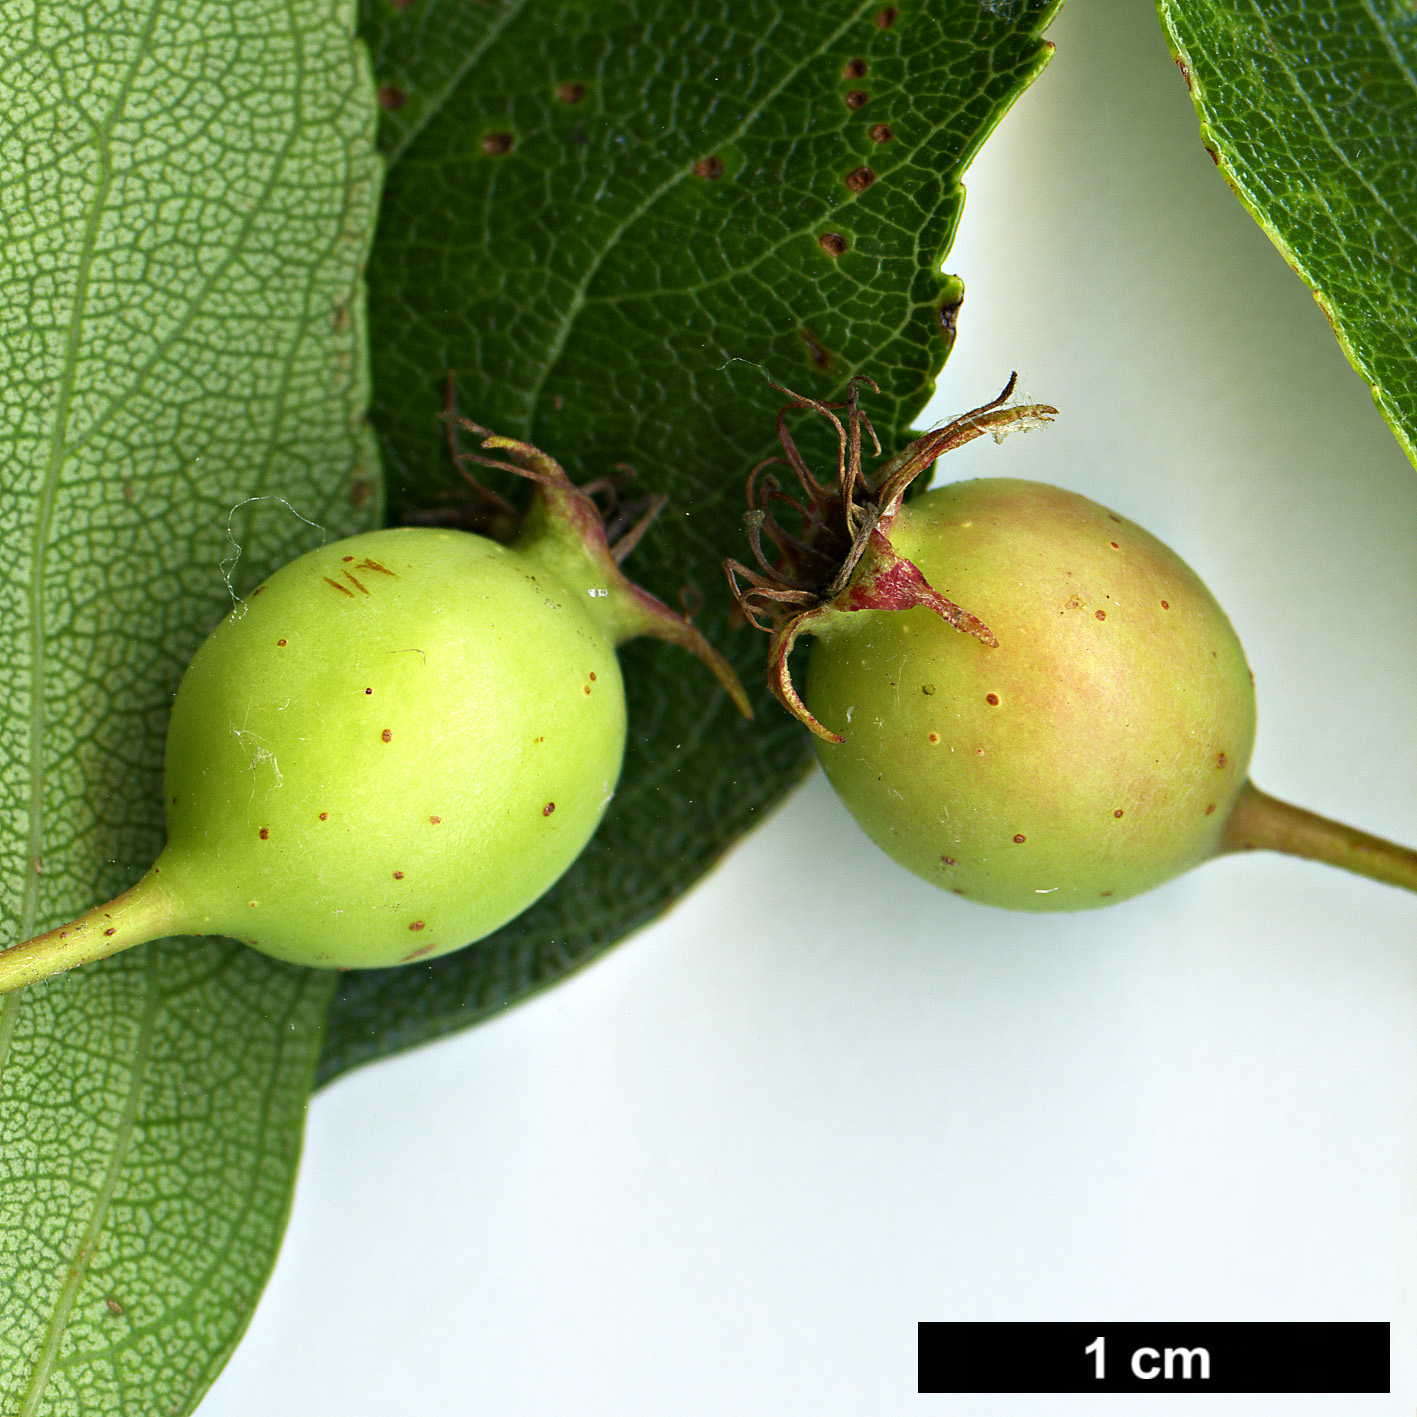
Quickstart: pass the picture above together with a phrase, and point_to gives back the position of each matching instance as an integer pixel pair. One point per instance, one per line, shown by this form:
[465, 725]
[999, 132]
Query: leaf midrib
[103, 1200]
[48, 492]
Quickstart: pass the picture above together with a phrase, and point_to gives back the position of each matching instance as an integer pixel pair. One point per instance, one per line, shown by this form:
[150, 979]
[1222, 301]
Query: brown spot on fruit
[857, 98]
[398, 875]
[833, 243]
[265, 833]
[370, 565]
[1104, 894]
[860, 179]
[343, 589]
[591, 676]
[547, 810]
[368, 691]
[927, 688]
[887, 17]
[1114, 517]
[570, 93]
[949, 861]
[418, 953]
[387, 735]
[957, 891]
[391, 99]
[709, 168]
[497, 144]
[112, 930]
[1165, 604]
[1210, 809]
[280, 643]
[934, 737]
[1117, 813]
[991, 698]
[324, 816]
[1220, 761]
[881, 133]
[435, 820]
[1101, 614]
[855, 69]
[114, 1307]
[1114, 546]
[257, 591]
[416, 925]
[1020, 839]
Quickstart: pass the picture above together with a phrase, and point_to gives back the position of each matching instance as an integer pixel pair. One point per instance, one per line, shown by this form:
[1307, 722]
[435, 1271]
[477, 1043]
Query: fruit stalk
[1264, 823]
[145, 911]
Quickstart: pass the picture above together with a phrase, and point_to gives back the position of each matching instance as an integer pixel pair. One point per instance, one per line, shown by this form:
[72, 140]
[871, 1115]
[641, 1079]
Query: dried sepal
[843, 561]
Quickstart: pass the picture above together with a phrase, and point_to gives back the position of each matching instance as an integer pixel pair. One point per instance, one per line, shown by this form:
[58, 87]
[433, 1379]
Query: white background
[727, 1168]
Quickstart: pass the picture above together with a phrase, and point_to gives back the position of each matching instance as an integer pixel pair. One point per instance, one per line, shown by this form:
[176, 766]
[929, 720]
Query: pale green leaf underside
[1310, 108]
[186, 195]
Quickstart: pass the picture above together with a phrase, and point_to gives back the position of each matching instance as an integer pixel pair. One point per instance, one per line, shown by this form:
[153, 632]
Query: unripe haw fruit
[393, 745]
[1021, 696]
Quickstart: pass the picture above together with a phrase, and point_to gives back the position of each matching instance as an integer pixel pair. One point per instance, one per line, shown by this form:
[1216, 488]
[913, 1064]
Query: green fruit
[1020, 695]
[392, 746]
[1097, 751]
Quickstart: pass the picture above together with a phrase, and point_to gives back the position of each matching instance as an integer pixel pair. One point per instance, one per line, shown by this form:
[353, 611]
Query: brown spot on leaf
[114, 1307]
[359, 492]
[832, 243]
[861, 179]
[570, 93]
[819, 354]
[391, 99]
[855, 69]
[709, 167]
[887, 17]
[881, 133]
[857, 98]
[497, 144]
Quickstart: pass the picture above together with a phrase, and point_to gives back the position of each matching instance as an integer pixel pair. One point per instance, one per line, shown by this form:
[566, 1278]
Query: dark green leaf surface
[186, 196]
[1310, 109]
[604, 215]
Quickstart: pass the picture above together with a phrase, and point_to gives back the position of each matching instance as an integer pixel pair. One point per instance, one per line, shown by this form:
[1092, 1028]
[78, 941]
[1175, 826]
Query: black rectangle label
[1159, 1357]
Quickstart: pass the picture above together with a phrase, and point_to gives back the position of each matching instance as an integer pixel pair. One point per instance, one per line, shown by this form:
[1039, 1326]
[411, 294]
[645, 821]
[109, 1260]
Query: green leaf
[1309, 108]
[186, 196]
[609, 218]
